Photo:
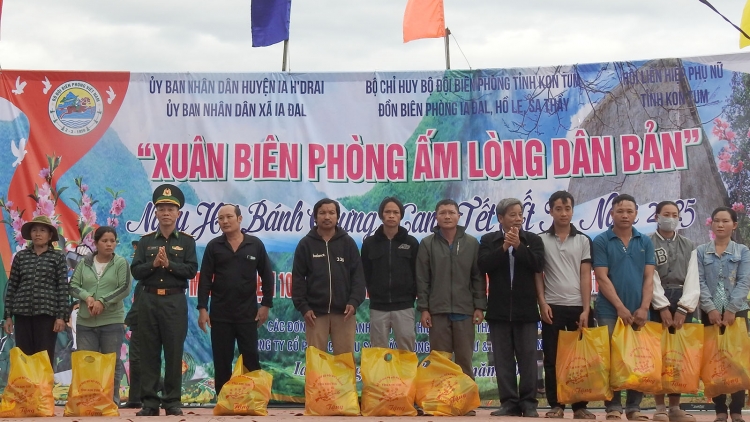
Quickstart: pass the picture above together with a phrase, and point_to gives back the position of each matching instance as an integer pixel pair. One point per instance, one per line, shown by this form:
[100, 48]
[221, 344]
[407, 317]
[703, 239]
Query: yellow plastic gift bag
[725, 368]
[582, 366]
[246, 393]
[636, 358]
[29, 389]
[92, 385]
[388, 382]
[681, 356]
[443, 389]
[330, 384]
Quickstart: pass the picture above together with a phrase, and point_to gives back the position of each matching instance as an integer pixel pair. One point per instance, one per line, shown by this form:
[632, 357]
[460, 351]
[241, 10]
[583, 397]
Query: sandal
[585, 414]
[636, 416]
[615, 415]
[737, 418]
[661, 416]
[679, 415]
[721, 417]
[557, 413]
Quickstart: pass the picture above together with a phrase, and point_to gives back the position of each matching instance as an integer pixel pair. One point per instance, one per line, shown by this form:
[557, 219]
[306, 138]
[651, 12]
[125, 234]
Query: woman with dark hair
[724, 273]
[676, 290]
[101, 281]
[37, 295]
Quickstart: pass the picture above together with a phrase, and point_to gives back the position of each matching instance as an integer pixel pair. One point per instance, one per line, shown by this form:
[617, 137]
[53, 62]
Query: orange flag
[424, 19]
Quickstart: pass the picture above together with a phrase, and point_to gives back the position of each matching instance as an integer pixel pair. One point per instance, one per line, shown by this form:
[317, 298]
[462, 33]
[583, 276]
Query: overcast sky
[355, 35]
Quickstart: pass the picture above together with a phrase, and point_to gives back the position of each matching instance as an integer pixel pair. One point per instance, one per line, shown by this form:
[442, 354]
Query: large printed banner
[87, 149]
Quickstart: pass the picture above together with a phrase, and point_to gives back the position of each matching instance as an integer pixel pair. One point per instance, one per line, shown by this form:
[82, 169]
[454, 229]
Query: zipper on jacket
[390, 269]
[330, 279]
[450, 253]
[510, 315]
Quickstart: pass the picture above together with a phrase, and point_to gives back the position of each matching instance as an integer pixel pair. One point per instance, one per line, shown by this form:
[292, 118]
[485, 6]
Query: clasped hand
[161, 259]
[512, 238]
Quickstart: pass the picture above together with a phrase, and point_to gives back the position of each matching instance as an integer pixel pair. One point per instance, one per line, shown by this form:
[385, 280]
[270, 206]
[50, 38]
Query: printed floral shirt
[38, 285]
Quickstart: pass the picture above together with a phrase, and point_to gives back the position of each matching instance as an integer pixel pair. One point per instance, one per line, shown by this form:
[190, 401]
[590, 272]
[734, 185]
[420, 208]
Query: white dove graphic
[47, 85]
[19, 86]
[111, 95]
[19, 151]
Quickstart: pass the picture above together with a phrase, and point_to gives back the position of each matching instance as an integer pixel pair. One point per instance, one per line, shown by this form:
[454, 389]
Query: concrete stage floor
[197, 414]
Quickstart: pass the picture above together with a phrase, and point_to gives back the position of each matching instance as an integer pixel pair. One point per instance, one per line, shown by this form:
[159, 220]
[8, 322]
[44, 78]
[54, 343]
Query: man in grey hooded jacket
[450, 288]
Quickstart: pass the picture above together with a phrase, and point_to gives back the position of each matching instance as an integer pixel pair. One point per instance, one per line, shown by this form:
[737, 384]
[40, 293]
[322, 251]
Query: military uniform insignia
[177, 247]
[167, 192]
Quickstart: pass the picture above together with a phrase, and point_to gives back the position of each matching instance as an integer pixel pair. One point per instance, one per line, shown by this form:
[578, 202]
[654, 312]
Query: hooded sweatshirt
[327, 276]
[390, 270]
[110, 289]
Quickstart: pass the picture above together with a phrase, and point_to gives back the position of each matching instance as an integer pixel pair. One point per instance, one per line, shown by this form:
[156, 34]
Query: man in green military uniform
[164, 262]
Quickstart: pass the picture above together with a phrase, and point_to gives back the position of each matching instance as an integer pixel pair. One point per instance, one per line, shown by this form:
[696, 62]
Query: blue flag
[270, 21]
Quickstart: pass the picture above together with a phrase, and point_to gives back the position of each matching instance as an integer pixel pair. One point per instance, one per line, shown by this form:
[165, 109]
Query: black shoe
[507, 411]
[173, 411]
[148, 411]
[131, 405]
[530, 413]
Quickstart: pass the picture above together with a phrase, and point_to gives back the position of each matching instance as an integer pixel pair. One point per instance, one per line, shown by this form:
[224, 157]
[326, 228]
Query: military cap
[168, 194]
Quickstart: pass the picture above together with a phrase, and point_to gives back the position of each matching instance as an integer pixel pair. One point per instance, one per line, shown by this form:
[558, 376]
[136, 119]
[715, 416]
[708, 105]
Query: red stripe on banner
[58, 106]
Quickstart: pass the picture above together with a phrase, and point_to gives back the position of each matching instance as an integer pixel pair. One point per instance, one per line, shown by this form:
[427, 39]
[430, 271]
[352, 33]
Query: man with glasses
[229, 275]
[450, 288]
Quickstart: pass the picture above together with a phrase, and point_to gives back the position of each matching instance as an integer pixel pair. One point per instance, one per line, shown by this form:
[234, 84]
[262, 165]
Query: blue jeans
[104, 339]
[633, 398]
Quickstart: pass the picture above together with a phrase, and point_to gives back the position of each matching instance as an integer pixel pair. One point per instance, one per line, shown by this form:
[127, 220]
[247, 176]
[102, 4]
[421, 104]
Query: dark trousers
[738, 397]
[455, 337]
[134, 356]
[162, 325]
[563, 318]
[223, 336]
[34, 334]
[515, 342]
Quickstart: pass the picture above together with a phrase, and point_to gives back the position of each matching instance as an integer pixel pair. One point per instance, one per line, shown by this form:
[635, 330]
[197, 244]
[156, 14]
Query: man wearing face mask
[676, 290]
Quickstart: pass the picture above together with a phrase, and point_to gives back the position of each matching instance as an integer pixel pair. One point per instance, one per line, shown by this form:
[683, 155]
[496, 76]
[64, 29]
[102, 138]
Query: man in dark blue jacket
[511, 257]
[389, 258]
[328, 283]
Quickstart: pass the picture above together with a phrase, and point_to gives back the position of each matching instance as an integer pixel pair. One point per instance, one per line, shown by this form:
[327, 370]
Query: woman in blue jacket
[724, 270]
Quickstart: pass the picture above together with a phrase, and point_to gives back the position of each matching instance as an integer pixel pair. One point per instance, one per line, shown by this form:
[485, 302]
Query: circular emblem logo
[75, 108]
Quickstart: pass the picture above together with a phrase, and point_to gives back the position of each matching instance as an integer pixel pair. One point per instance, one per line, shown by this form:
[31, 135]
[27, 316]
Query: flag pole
[447, 50]
[286, 52]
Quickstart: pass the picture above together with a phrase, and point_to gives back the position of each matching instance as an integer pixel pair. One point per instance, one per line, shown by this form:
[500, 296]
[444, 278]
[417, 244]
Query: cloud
[8, 111]
[345, 35]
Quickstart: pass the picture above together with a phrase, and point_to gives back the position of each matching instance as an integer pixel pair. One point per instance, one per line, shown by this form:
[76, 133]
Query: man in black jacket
[328, 282]
[229, 273]
[389, 258]
[511, 257]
